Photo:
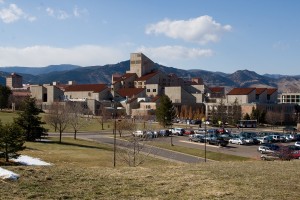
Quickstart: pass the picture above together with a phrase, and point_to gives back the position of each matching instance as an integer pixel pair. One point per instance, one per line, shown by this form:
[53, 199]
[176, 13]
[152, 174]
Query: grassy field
[83, 170]
[7, 117]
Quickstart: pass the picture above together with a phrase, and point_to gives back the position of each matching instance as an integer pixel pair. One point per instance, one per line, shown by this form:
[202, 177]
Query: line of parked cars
[212, 136]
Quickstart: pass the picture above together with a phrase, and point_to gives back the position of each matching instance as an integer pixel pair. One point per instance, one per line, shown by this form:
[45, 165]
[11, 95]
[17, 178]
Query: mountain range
[102, 74]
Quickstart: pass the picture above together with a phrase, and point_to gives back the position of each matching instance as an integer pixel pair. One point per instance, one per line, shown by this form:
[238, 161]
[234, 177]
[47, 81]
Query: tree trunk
[6, 153]
[60, 134]
[75, 134]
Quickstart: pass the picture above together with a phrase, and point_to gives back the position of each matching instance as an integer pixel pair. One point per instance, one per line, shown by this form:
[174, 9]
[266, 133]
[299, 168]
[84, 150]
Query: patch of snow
[27, 160]
[6, 174]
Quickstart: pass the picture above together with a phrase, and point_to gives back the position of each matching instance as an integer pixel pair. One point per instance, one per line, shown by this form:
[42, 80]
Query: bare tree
[58, 117]
[135, 151]
[76, 121]
[125, 125]
[103, 115]
[272, 117]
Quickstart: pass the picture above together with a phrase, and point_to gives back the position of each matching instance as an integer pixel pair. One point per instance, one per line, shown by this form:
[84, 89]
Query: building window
[148, 90]
[154, 90]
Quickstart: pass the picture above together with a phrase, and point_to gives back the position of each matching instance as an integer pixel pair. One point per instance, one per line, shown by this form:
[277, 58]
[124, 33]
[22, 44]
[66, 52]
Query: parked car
[178, 131]
[297, 143]
[238, 141]
[274, 138]
[164, 133]
[269, 157]
[218, 141]
[188, 132]
[264, 149]
[197, 138]
[200, 131]
[283, 138]
[263, 140]
[138, 133]
[296, 154]
[271, 146]
[247, 140]
[287, 138]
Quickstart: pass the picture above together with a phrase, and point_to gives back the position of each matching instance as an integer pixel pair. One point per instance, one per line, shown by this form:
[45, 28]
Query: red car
[296, 154]
[189, 132]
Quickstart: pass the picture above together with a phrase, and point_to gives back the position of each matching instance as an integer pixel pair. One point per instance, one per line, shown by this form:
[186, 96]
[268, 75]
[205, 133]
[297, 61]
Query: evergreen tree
[11, 140]
[236, 112]
[165, 112]
[246, 117]
[30, 122]
[221, 112]
[5, 92]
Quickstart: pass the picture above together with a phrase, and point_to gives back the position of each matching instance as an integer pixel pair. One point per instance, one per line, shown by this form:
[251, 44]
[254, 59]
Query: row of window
[290, 96]
[290, 100]
[149, 90]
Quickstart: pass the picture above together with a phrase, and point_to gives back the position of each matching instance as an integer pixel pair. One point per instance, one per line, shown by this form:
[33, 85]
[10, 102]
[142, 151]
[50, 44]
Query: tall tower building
[14, 81]
[140, 64]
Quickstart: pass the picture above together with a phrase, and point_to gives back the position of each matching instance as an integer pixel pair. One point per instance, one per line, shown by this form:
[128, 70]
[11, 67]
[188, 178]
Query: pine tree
[5, 92]
[165, 112]
[11, 140]
[30, 122]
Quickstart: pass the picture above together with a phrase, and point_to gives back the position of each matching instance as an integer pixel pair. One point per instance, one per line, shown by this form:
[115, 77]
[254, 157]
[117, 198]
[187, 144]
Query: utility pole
[115, 129]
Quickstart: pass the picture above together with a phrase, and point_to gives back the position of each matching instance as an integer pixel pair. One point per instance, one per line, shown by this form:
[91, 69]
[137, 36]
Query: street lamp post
[205, 141]
[114, 129]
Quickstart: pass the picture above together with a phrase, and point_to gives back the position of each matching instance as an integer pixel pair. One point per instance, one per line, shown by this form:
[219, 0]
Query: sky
[213, 35]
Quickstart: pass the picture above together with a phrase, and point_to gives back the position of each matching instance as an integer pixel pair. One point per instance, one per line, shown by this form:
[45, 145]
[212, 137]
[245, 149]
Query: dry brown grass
[84, 171]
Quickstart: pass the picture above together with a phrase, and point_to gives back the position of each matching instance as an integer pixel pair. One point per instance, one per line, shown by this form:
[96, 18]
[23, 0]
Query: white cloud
[1, 1]
[58, 14]
[199, 30]
[37, 56]
[62, 14]
[77, 12]
[50, 11]
[172, 54]
[14, 13]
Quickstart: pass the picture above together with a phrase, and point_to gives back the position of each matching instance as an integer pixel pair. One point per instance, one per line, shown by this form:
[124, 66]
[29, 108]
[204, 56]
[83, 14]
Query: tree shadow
[81, 145]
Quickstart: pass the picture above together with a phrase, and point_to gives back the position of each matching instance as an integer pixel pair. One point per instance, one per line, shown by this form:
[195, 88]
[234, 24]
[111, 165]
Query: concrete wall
[54, 94]
[263, 97]
[153, 90]
[37, 92]
[179, 95]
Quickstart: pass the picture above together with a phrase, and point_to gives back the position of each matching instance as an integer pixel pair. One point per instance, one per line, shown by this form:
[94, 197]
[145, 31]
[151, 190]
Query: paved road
[155, 151]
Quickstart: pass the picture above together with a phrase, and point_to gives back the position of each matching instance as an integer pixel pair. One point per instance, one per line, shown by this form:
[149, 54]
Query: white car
[248, 140]
[263, 140]
[238, 141]
[297, 143]
[264, 149]
[138, 133]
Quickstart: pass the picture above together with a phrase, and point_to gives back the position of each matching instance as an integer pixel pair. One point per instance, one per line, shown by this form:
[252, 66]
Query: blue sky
[214, 35]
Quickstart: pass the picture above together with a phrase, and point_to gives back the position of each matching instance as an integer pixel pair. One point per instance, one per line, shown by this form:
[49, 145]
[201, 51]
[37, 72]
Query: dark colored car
[218, 141]
[271, 146]
[164, 133]
[197, 138]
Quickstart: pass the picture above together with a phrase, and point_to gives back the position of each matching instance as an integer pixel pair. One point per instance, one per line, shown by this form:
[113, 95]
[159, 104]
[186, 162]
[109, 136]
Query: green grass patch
[7, 117]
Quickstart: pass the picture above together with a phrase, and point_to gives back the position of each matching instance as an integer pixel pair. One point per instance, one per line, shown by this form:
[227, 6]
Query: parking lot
[246, 150]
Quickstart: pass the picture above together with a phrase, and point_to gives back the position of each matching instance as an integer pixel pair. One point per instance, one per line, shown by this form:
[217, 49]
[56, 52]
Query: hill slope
[102, 74]
[39, 70]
